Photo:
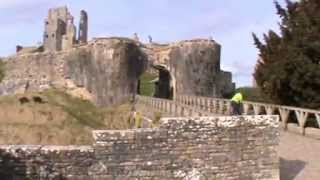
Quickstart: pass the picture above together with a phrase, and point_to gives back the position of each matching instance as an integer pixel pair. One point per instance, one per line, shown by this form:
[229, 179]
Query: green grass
[146, 87]
[61, 120]
[83, 111]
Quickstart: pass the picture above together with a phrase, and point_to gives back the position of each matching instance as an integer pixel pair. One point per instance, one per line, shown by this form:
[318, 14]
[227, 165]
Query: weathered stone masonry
[103, 71]
[207, 147]
[106, 70]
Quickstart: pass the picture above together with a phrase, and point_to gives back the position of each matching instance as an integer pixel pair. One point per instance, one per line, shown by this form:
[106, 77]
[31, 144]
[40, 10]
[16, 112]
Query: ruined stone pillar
[83, 27]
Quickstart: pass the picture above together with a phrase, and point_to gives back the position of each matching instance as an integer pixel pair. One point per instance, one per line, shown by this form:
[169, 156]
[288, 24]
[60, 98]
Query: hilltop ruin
[106, 70]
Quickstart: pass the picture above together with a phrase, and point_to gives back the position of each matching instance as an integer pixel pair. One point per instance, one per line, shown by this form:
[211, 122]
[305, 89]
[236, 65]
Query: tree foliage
[289, 68]
[2, 69]
[252, 94]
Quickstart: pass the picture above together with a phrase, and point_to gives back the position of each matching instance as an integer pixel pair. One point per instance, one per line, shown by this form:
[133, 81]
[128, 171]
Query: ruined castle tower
[83, 27]
[69, 39]
[59, 30]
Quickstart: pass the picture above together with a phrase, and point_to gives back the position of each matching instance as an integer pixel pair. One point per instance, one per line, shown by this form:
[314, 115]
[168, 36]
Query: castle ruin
[107, 70]
[60, 31]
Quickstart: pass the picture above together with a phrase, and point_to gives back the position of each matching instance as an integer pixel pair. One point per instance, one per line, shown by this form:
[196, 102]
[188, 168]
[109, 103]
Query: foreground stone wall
[181, 148]
[46, 162]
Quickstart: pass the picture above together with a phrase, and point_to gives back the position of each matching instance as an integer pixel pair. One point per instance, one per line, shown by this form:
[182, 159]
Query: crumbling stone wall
[243, 147]
[109, 69]
[56, 25]
[83, 27]
[60, 32]
[104, 71]
[194, 67]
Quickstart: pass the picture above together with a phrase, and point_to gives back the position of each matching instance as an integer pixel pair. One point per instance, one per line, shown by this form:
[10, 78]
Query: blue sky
[229, 22]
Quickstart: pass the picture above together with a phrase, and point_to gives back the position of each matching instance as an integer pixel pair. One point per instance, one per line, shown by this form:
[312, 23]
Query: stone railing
[223, 107]
[171, 107]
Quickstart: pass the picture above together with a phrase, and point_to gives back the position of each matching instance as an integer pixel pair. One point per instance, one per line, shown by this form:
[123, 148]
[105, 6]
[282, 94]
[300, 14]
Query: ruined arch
[163, 82]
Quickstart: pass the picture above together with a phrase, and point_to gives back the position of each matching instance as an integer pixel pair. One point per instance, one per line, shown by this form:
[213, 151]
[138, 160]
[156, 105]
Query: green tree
[2, 69]
[289, 68]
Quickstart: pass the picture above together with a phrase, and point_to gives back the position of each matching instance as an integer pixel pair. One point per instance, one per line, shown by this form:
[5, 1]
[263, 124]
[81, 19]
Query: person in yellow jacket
[137, 117]
[236, 104]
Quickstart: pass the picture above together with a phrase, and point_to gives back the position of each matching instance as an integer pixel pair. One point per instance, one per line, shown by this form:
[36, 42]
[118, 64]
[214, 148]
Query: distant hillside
[53, 117]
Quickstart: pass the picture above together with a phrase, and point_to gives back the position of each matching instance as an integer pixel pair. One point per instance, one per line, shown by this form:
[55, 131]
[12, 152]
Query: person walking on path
[236, 104]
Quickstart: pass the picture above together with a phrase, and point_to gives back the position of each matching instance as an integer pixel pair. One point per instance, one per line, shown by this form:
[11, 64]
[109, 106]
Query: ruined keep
[60, 32]
[190, 67]
[106, 70]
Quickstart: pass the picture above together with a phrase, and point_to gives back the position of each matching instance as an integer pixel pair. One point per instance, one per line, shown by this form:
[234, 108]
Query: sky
[229, 22]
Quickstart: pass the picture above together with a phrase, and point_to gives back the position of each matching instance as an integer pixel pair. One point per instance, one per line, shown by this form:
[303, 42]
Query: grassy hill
[55, 118]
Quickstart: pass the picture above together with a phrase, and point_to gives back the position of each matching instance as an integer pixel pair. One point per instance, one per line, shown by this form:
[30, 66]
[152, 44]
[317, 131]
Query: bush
[2, 69]
[252, 94]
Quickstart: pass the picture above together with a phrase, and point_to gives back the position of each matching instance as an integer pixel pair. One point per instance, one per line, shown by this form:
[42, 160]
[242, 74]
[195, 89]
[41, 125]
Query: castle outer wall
[104, 71]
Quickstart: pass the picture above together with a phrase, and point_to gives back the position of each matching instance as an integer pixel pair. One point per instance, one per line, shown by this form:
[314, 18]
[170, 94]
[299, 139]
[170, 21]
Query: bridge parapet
[223, 107]
[172, 107]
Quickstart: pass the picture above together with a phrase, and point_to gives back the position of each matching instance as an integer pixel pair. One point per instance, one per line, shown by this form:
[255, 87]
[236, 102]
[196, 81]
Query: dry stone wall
[243, 147]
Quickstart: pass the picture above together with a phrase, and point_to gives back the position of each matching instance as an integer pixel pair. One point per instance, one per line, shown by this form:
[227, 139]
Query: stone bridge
[299, 143]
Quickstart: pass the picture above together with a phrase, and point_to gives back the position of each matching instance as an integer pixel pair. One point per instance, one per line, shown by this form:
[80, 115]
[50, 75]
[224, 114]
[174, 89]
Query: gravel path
[300, 157]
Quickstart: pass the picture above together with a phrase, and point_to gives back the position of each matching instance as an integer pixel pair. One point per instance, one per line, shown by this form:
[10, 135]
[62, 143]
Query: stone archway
[162, 83]
[164, 87]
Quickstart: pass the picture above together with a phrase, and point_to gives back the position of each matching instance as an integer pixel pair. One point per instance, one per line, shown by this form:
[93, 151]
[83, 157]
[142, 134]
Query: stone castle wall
[181, 148]
[104, 71]
[194, 67]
